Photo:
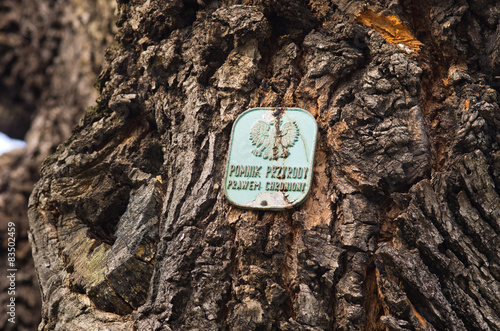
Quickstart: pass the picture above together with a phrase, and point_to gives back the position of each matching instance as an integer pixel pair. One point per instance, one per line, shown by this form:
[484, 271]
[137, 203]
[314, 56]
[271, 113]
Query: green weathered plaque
[271, 156]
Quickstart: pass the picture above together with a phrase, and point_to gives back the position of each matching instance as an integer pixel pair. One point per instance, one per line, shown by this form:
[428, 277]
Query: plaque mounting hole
[263, 203]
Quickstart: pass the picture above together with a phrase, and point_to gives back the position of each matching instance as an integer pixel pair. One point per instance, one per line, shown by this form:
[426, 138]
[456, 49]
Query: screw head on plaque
[271, 158]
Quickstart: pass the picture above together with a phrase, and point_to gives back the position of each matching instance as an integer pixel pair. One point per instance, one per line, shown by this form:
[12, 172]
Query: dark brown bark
[50, 55]
[130, 227]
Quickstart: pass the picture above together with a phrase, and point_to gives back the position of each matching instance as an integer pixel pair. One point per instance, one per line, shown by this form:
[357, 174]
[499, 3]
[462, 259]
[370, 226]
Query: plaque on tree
[271, 157]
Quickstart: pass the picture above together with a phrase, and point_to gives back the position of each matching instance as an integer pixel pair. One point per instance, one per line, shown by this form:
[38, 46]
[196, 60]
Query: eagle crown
[273, 140]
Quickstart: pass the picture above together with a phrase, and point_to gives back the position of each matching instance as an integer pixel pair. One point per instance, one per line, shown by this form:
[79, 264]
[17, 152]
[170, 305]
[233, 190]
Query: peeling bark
[400, 231]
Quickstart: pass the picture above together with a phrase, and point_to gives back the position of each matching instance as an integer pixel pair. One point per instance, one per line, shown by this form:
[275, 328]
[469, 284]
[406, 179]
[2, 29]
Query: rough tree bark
[51, 53]
[129, 225]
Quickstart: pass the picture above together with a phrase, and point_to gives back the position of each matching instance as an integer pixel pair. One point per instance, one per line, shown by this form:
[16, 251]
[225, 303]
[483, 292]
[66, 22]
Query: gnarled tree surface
[129, 225]
[51, 53]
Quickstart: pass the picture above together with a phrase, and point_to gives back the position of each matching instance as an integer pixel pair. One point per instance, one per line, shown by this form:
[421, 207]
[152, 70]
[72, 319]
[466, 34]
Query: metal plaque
[271, 157]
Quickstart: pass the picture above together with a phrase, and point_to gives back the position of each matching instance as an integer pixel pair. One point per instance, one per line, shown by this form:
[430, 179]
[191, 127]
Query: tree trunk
[129, 223]
[51, 53]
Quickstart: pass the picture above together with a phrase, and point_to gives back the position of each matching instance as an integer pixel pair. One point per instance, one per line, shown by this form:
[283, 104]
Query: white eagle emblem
[273, 140]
